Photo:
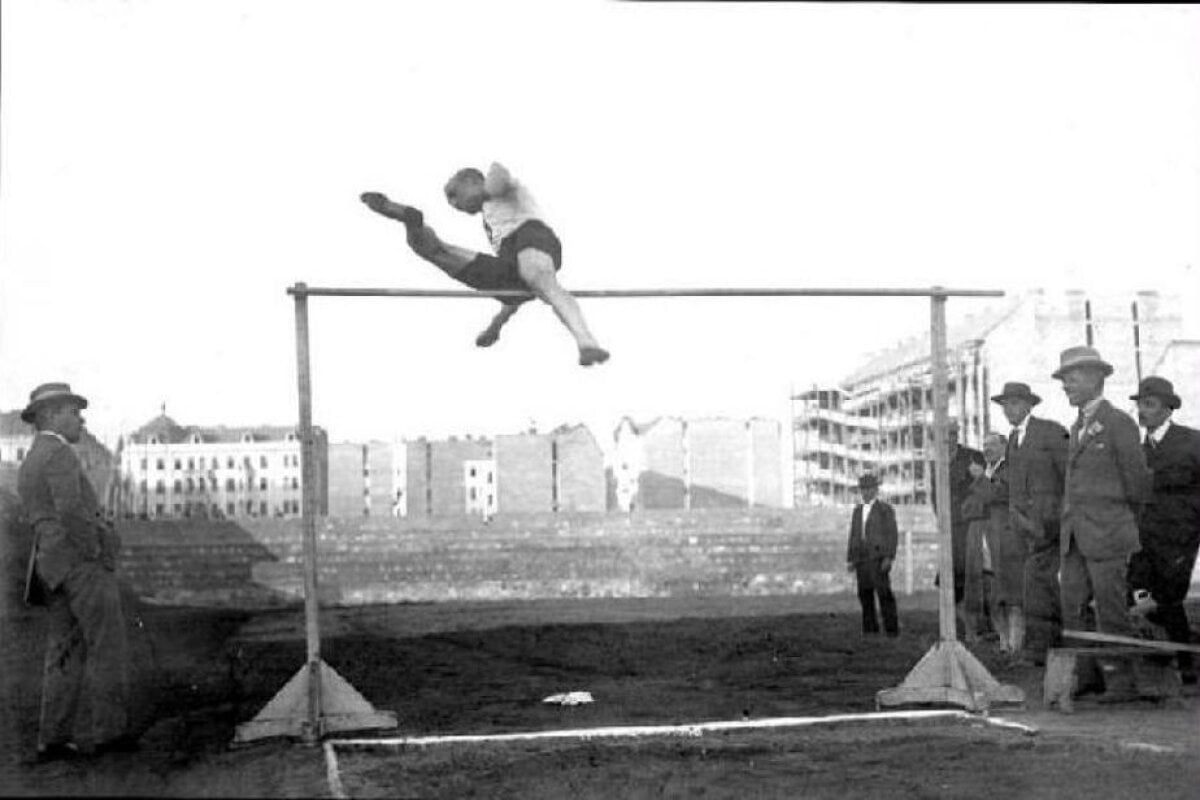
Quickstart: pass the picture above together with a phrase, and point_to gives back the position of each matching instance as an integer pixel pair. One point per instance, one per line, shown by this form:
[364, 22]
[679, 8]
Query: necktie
[1148, 444]
[1077, 428]
[1015, 438]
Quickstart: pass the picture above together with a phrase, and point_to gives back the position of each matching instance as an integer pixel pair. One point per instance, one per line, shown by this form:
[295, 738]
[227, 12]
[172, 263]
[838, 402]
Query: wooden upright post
[316, 700]
[949, 673]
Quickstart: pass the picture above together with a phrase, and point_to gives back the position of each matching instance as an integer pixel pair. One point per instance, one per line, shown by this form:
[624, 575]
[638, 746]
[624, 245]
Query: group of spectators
[1091, 527]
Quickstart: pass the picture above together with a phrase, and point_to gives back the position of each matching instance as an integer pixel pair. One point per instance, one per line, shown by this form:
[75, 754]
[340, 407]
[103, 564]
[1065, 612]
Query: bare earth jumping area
[451, 669]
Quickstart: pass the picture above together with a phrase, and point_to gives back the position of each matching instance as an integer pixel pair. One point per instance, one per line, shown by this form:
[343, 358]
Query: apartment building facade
[712, 462]
[171, 471]
[879, 418]
[559, 471]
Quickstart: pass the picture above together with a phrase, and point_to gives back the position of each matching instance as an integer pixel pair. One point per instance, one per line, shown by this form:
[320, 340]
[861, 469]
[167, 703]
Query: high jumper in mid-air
[528, 253]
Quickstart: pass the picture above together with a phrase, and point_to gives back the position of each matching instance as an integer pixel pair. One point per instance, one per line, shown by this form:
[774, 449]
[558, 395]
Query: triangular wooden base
[950, 674]
[342, 709]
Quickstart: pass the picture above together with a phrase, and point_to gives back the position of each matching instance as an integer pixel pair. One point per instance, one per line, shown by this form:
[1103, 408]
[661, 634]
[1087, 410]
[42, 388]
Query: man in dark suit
[1169, 525]
[872, 549]
[1107, 480]
[72, 573]
[1037, 462]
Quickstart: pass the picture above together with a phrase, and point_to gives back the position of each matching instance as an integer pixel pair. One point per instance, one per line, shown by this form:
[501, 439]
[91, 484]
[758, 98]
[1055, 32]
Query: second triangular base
[950, 674]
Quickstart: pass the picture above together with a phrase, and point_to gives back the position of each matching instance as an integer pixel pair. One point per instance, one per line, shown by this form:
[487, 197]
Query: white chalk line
[696, 729]
[332, 775]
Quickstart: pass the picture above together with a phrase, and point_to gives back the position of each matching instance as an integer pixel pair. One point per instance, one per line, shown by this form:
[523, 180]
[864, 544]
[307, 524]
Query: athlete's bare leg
[447, 257]
[537, 270]
[421, 238]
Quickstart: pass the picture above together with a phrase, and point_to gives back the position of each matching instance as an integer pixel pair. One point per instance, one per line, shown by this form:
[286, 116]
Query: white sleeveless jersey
[504, 215]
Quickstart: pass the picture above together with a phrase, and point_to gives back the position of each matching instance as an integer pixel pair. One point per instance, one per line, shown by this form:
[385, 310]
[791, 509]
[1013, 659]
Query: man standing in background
[72, 572]
[1037, 462]
[1106, 482]
[1169, 525]
[870, 554]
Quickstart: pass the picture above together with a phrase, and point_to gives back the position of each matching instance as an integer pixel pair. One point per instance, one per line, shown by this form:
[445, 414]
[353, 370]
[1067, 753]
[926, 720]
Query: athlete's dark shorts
[500, 272]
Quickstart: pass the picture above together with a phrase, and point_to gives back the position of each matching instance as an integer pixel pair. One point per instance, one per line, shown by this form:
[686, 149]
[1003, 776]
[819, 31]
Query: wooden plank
[1112, 638]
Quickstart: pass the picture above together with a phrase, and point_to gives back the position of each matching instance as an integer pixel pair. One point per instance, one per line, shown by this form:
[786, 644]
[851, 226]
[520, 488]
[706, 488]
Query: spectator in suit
[85, 680]
[1169, 525]
[871, 551]
[995, 556]
[961, 458]
[974, 608]
[1106, 482]
[1037, 461]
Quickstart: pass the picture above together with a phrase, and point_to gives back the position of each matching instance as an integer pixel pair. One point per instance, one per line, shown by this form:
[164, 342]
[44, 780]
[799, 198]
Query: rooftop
[167, 430]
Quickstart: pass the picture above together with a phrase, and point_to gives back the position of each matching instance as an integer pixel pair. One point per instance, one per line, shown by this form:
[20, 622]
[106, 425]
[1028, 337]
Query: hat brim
[1172, 400]
[1032, 398]
[30, 412]
[1103, 366]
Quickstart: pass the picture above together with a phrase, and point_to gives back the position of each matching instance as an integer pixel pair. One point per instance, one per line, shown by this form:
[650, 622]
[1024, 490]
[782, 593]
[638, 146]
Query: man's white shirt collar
[56, 435]
[1158, 433]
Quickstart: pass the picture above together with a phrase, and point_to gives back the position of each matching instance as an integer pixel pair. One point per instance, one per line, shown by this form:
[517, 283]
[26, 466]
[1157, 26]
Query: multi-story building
[368, 479]
[879, 418]
[171, 471]
[523, 473]
[16, 437]
[698, 463]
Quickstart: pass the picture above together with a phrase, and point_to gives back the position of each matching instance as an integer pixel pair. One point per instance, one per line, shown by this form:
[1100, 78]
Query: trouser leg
[1076, 588]
[1107, 579]
[96, 603]
[887, 600]
[866, 596]
[1042, 603]
[62, 673]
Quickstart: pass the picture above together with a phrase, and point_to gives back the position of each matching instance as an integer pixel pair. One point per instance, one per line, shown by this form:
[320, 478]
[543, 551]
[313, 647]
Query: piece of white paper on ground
[570, 698]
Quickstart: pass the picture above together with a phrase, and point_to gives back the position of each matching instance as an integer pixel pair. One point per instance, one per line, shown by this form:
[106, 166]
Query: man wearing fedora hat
[1106, 482]
[872, 549]
[1169, 525]
[1037, 459]
[72, 573]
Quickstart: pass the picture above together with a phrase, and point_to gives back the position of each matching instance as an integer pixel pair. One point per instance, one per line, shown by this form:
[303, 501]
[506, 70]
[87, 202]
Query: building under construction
[880, 417]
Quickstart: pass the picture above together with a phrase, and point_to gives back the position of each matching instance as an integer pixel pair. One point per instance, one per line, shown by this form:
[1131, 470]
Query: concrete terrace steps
[721, 552]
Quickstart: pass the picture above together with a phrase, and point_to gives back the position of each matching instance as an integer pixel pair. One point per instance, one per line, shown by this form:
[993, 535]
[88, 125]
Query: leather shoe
[1118, 696]
[58, 751]
[125, 743]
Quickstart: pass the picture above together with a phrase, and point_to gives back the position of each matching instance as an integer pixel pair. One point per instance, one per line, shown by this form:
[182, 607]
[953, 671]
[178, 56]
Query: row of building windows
[199, 485]
[215, 462]
[214, 511]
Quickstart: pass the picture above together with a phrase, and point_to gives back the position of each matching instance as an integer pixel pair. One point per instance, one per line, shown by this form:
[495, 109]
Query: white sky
[168, 169]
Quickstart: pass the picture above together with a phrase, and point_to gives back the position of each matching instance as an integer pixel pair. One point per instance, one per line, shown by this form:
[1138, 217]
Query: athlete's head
[465, 190]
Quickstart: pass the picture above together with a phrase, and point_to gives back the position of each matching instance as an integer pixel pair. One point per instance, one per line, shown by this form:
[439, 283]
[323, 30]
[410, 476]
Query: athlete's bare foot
[592, 355]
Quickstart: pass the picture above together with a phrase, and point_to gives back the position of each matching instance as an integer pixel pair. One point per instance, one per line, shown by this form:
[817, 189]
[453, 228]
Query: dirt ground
[485, 668]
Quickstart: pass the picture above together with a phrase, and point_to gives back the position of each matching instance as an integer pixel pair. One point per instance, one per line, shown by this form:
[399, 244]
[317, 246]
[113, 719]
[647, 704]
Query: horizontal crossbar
[304, 290]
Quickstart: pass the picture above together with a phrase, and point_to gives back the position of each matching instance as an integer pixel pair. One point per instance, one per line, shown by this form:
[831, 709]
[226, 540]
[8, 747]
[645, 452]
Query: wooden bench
[1062, 665]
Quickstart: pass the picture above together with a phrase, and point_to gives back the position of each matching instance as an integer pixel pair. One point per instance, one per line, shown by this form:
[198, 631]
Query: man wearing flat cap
[1169, 525]
[1037, 462]
[72, 573]
[872, 549]
[1107, 481]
